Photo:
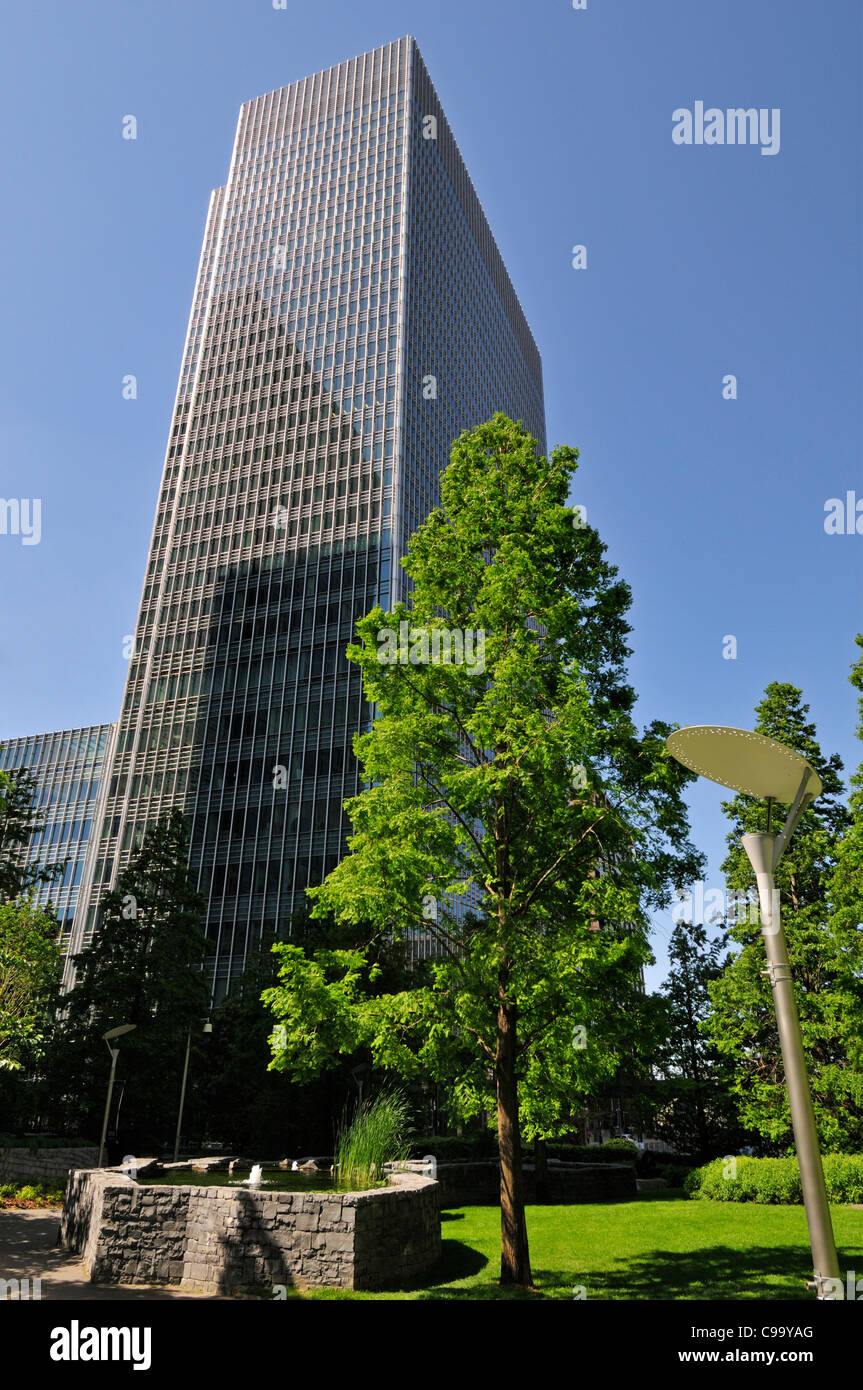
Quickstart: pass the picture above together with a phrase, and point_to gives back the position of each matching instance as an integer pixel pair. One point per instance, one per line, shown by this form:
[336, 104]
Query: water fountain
[193, 1226]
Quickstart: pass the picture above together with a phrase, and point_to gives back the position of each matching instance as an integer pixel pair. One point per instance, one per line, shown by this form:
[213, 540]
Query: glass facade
[67, 767]
[346, 266]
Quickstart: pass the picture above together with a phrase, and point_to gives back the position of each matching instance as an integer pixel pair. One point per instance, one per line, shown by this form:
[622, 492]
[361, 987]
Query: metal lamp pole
[766, 769]
[208, 1028]
[764, 853]
[115, 1053]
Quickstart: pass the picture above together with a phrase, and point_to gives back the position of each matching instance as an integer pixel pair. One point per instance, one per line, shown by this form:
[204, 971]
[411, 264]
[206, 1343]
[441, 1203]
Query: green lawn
[652, 1248]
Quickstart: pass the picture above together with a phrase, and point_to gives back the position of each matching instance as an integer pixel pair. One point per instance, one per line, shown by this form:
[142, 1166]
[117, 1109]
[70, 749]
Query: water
[272, 1180]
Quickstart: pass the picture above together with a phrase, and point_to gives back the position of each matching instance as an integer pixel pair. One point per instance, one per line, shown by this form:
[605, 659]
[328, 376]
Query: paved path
[28, 1250]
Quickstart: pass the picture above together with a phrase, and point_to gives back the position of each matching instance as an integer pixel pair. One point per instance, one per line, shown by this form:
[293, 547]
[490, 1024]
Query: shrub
[482, 1144]
[30, 1192]
[843, 1177]
[770, 1181]
[620, 1146]
[44, 1194]
[377, 1134]
[614, 1151]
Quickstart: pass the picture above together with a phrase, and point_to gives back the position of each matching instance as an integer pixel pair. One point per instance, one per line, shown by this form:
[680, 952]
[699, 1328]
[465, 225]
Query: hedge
[484, 1145]
[773, 1180]
[453, 1146]
[613, 1150]
[43, 1141]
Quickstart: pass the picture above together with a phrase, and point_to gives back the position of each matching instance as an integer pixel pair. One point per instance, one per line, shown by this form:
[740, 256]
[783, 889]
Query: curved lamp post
[760, 767]
[115, 1053]
[207, 1028]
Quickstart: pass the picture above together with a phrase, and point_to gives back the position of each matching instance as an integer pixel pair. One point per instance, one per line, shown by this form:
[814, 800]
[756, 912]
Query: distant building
[68, 767]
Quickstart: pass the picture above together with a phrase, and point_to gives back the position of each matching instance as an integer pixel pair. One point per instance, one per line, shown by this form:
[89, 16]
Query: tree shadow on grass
[715, 1272]
[457, 1261]
[774, 1273]
[718, 1272]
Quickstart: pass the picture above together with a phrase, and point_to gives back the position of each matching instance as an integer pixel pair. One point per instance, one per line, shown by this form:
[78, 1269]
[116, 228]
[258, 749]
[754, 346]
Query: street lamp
[115, 1053]
[359, 1074]
[760, 767]
[208, 1028]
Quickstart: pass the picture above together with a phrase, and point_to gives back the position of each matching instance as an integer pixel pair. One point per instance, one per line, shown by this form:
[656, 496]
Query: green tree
[30, 966]
[29, 952]
[846, 884]
[19, 821]
[142, 967]
[513, 812]
[696, 1111]
[240, 1102]
[825, 957]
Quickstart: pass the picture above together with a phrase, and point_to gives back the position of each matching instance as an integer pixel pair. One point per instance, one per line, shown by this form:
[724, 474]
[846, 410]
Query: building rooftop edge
[310, 76]
[49, 733]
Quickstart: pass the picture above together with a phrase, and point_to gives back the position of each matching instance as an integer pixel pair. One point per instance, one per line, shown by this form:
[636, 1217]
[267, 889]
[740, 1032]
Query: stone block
[217, 1239]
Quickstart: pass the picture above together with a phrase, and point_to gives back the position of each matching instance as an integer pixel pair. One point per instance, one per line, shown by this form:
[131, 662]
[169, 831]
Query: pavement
[29, 1250]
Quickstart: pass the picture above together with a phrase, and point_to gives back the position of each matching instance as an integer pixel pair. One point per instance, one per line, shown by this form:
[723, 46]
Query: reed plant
[378, 1132]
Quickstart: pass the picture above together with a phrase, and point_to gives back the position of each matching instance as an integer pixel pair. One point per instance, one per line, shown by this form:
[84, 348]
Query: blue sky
[702, 261]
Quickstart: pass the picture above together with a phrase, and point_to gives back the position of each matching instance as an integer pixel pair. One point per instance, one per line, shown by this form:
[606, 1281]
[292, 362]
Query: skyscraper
[351, 316]
[67, 767]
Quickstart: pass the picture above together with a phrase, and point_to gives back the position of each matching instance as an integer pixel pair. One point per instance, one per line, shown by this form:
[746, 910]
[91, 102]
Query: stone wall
[477, 1183]
[396, 1229]
[218, 1239]
[44, 1165]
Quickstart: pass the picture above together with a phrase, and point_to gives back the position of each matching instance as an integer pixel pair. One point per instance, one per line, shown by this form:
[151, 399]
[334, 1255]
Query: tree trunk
[540, 1170]
[514, 1256]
